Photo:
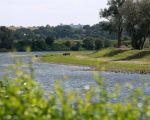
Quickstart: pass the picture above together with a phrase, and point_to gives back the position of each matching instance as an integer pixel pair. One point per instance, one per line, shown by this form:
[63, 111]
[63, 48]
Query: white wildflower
[25, 84]
[87, 87]
[140, 105]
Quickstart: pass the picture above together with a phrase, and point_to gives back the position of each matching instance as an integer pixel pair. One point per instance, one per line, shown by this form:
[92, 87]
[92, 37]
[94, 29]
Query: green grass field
[106, 59]
[123, 55]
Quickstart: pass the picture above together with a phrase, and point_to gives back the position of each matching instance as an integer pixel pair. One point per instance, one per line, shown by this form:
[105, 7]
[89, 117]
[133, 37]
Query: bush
[98, 44]
[21, 99]
[76, 47]
[89, 43]
[39, 45]
[49, 40]
[68, 43]
[107, 43]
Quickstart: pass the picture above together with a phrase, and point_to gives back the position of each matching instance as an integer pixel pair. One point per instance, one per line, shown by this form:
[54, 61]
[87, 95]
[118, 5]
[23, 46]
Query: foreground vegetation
[22, 99]
[106, 59]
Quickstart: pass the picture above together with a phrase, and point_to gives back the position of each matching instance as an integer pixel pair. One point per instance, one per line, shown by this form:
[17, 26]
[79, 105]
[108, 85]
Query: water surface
[74, 77]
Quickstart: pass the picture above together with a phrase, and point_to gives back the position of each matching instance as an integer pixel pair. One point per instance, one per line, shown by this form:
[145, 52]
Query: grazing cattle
[66, 54]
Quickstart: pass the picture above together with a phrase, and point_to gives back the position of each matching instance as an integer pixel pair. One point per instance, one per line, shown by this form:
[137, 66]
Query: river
[74, 77]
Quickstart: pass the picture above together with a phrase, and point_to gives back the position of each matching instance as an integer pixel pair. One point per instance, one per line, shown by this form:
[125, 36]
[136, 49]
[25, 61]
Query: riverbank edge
[94, 68]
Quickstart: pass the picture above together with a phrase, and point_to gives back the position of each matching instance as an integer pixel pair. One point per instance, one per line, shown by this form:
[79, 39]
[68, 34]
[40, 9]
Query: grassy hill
[122, 54]
[106, 59]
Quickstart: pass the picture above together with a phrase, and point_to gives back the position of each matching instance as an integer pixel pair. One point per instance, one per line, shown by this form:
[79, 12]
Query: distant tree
[63, 31]
[86, 30]
[107, 43]
[89, 43]
[6, 38]
[76, 47]
[115, 18]
[68, 43]
[39, 45]
[49, 40]
[98, 44]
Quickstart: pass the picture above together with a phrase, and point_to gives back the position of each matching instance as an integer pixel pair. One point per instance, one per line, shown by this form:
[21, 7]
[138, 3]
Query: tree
[113, 15]
[76, 47]
[63, 31]
[98, 44]
[49, 41]
[137, 21]
[87, 30]
[68, 43]
[89, 43]
[107, 43]
[6, 40]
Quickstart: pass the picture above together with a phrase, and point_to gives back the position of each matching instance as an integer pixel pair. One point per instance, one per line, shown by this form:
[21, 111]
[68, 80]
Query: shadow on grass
[92, 53]
[112, 53]
[139, 55]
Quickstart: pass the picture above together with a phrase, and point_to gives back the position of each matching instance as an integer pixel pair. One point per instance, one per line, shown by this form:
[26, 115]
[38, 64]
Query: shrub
[107, 43]
[98, 44]
[68, 43]
[89, 43]
[76, 47]
[21, 99]
[49, 40]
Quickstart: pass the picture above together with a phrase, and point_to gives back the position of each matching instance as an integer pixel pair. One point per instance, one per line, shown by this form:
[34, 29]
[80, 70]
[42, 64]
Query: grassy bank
[106, 59]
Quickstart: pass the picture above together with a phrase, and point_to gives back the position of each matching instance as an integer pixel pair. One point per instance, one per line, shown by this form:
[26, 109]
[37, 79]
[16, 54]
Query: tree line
[132, 16]
[42, 38]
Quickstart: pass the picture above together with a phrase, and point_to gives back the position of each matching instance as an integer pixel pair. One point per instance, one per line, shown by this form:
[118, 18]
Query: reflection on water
[75, 77]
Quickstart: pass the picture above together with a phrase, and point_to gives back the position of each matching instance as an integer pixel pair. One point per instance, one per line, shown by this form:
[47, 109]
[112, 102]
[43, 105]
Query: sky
[52, 12]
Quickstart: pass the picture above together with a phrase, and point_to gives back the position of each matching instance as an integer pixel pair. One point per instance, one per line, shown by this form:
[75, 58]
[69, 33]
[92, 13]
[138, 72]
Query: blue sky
[52, 12]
